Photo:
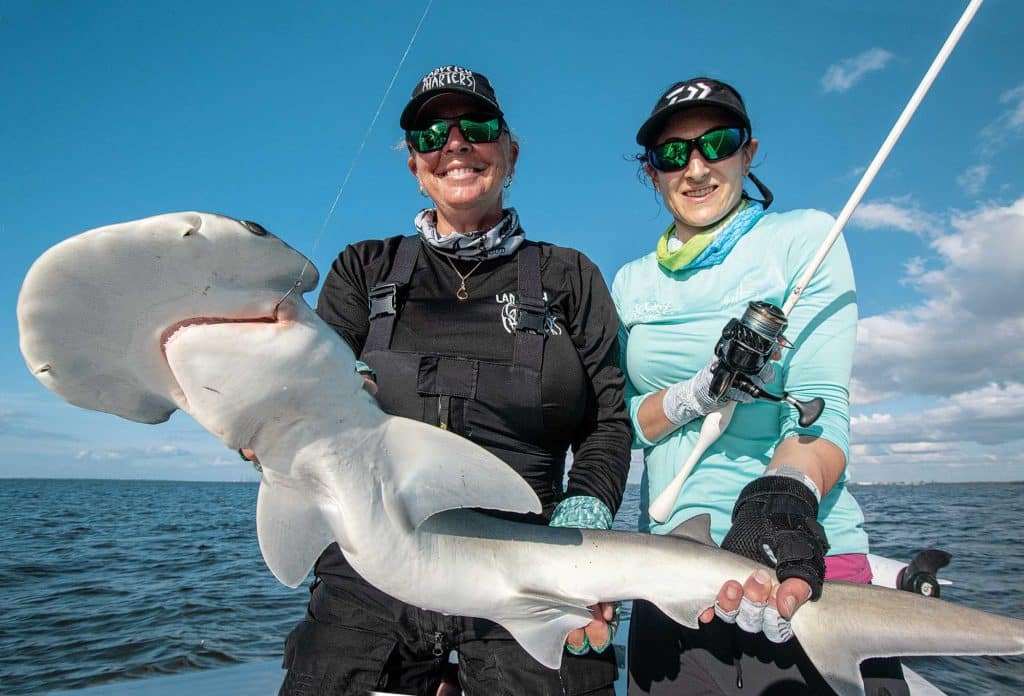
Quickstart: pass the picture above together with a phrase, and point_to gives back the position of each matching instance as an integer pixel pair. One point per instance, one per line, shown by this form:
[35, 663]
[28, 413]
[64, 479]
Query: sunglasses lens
[714, 145]
[431, 138]
[480, 131]
[719, 144]
[475, 130]
[670, 156]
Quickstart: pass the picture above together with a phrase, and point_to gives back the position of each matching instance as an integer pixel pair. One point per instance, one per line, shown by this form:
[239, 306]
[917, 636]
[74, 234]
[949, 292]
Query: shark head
[95, 311]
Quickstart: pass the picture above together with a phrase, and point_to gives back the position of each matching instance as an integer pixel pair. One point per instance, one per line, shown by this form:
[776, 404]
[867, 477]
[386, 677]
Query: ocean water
[106, 581]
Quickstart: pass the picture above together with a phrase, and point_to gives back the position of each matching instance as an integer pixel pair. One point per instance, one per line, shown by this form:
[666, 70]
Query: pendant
[461, 292]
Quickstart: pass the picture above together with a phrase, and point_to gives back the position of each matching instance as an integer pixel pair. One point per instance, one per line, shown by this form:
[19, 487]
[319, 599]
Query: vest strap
[383, 298]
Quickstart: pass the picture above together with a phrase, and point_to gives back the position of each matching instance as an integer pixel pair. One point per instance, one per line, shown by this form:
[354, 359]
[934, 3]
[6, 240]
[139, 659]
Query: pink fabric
[852, 567]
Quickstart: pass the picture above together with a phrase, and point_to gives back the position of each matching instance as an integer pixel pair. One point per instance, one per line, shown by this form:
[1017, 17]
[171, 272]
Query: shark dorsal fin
[697, 529]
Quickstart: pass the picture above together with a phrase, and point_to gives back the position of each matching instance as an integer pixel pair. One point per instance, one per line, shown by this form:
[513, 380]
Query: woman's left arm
[601, 447]
[820, 460]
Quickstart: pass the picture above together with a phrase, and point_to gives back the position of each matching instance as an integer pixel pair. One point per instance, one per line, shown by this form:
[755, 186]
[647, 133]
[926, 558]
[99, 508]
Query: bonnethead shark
[204, 313]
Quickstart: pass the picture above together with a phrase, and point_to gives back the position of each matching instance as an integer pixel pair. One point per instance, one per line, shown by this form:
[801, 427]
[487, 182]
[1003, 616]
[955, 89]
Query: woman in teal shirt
[775, 491]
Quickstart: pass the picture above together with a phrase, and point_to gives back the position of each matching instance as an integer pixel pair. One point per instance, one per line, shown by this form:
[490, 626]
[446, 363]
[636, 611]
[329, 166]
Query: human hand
[760, 605]
[596, 635]
[369, 384]
[775, 522]
[691, 398]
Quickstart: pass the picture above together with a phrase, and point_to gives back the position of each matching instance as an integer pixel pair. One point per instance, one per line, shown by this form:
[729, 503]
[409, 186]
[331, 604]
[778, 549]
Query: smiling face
[703, 192]
[463, 179]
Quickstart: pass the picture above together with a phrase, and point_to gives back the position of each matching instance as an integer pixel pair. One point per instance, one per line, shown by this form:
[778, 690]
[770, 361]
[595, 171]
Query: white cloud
[962, 346]
[1014, 117]
[989, 415]
[846, 73]
[974, 178]
[99, 455]
[863, 395]
[897, 213]
[968, 331]
[1009, 123]
[955, 462]
[163, 451]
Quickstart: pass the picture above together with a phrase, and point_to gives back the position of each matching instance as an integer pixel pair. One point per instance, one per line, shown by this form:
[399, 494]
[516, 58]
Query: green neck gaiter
[694, 246]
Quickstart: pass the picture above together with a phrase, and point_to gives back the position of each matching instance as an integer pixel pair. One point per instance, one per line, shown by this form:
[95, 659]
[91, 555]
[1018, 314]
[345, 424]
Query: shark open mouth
[171, 330]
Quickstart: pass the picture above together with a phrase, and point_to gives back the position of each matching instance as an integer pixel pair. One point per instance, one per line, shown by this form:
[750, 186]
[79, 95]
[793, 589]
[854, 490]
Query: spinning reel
[746, 346]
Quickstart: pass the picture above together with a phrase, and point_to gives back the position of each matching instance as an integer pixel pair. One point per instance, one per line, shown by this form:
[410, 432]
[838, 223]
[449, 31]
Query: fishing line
[716, 422]
[355, 158]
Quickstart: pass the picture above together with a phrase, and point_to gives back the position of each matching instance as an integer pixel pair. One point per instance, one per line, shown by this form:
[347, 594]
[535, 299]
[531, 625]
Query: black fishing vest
[496, 405]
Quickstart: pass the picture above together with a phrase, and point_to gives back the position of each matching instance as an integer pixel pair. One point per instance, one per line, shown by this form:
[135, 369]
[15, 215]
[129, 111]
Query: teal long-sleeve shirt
[670, 324]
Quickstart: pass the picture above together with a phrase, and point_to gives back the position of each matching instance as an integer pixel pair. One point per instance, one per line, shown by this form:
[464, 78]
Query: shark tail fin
[852, 622]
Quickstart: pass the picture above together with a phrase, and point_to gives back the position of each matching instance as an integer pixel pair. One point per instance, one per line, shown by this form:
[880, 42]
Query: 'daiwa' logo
[510, 315]
[697, 90]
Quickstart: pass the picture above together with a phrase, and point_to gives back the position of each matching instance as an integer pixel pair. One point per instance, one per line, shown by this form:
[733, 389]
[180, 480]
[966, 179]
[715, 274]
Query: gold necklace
[461, 293]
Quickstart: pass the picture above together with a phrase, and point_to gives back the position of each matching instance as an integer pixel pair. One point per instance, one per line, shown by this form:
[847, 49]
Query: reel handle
[809, 410]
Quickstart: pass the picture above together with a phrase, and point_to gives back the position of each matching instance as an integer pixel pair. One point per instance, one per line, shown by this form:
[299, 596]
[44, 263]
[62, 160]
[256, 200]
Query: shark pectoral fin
[542, 626]
[292, 531]
[435, 470]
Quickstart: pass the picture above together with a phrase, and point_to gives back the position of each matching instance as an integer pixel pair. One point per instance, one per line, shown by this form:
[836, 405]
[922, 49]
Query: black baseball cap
[446, 79]
[698, 91]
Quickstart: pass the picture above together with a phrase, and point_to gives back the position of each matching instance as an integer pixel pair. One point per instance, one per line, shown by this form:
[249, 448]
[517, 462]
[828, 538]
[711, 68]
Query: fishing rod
[355, 159]
[748, 343]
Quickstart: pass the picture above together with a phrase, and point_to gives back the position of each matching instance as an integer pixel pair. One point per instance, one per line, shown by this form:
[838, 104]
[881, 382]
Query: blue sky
[117, 110]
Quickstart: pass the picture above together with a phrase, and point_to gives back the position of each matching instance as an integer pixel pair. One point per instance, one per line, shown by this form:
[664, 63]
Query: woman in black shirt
[506, 341]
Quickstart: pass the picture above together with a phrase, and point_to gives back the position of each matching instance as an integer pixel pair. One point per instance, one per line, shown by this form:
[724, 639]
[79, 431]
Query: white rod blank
[883, 153]
[714, 425]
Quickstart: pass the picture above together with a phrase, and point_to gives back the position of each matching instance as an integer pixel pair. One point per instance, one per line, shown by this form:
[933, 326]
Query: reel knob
[809, 410]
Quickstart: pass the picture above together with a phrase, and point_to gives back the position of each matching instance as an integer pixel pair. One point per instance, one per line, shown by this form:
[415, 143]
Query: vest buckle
[383, 299]
[531, 315]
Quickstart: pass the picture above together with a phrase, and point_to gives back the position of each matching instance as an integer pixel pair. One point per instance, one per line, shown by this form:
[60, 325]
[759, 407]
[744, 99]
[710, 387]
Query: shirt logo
[748, 289]
[647, 311]
[510, 315]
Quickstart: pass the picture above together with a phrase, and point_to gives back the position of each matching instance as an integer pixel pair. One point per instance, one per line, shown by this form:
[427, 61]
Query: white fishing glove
[758, 617]
[691, 398]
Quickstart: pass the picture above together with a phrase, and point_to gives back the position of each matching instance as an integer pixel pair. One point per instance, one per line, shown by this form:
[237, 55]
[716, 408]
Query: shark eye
[255, 228]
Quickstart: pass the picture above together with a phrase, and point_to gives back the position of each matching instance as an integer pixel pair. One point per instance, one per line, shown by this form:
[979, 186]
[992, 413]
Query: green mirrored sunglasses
[475, 129]
[717, 144]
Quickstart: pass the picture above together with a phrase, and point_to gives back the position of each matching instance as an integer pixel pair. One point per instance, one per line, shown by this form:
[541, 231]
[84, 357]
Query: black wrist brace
[775, 522]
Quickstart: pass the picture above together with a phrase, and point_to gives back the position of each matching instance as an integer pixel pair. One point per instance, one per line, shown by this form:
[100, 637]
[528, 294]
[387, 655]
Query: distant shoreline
[251, 481]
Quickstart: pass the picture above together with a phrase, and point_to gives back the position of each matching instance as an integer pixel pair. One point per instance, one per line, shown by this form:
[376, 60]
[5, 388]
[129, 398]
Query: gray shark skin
[185, 311]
